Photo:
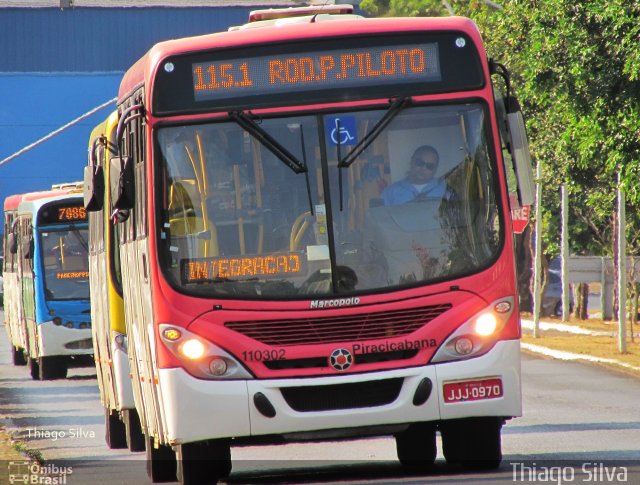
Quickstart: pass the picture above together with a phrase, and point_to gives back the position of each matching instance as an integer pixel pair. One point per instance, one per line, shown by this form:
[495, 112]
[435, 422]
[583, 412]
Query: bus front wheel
[135, 437]
[51, 367]
[17, 355]
[114, 430]
[203, 462]
[34, 369]
[474, 443]
[161, 462]
[416, 447]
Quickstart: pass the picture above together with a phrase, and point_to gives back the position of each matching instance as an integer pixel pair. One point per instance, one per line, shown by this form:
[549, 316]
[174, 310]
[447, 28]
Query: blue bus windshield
[65, 263]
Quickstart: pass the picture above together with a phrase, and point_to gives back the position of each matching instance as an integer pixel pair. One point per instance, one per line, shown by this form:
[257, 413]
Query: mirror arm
[125, 118]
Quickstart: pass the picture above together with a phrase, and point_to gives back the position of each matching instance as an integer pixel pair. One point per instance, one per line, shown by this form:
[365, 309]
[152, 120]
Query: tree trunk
[582, 301]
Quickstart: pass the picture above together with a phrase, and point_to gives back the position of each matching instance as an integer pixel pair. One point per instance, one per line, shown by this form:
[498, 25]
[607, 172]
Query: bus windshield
[65, 262]
[416, 202]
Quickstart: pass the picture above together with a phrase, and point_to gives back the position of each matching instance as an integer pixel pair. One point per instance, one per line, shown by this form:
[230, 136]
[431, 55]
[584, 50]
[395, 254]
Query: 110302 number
[262, 355]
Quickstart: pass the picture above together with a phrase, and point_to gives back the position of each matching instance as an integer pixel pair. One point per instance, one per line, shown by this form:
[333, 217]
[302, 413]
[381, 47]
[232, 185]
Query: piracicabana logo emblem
[341, 359]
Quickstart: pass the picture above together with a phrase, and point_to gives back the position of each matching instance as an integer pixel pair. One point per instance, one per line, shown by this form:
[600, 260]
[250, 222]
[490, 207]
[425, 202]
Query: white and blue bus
[48, 311]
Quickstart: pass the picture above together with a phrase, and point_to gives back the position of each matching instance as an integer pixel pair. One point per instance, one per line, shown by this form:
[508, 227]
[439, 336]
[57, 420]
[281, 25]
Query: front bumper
[58, 340]
[196, 409]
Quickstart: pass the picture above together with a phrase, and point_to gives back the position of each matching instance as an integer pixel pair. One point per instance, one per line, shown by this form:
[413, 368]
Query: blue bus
[47, 309]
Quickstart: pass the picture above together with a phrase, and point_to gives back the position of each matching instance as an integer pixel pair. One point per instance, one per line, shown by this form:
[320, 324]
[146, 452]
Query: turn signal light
[172, 334]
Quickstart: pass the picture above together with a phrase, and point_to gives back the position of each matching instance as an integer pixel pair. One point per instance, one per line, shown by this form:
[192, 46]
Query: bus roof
[144, 69]
[33, 205]
[12, 202]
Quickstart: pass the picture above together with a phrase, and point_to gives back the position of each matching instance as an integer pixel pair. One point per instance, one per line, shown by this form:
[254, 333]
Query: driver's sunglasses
[424, 164]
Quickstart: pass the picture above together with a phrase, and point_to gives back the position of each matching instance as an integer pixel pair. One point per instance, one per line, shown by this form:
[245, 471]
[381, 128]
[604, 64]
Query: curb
[564, 327]
[572, 356]
[562, 355]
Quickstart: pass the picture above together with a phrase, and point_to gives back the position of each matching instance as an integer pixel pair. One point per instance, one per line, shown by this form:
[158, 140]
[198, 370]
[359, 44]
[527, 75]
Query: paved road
[574, 415]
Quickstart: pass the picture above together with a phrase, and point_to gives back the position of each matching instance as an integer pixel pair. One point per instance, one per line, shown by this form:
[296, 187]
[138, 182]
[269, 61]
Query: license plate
[472, 390]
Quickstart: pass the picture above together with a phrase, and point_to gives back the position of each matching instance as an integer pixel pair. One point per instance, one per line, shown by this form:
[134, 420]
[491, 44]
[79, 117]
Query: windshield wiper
[396, 106]
[80, 239]
[268, 141]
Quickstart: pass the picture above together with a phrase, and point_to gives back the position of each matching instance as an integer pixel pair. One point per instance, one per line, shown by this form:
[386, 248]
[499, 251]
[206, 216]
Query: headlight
[486, 324]
[200, 357]
[477, 335]
[192, 349]
[119, 341]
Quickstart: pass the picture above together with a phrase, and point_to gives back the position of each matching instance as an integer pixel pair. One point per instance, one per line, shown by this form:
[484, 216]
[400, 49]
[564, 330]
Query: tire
[114, 436]
[475, 443]
[52, 367]
[17, 356]
[134, 436]
[203, 462]
[161, 462]
[417, 447]
[34, 369]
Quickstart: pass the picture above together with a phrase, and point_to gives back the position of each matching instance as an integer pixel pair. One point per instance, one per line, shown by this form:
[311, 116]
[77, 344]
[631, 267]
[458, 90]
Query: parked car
[552, 295]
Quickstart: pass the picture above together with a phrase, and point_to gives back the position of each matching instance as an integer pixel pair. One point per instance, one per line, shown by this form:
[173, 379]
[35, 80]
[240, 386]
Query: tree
[404, 8]
[576, 70]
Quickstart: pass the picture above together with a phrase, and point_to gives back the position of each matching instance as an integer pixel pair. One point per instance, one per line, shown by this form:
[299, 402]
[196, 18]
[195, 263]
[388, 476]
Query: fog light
[172, 334]
[69, 324]
[84, 325]
[218, 367]
[464, 346]
[57, 321]
[486, 324]
[192, 349]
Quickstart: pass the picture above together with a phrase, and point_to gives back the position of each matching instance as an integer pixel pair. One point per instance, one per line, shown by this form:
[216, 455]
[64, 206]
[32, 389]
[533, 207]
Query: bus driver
[420, 182]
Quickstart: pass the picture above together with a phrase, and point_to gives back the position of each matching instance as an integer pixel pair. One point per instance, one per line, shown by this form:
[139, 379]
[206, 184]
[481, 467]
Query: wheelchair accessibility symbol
[341, 130]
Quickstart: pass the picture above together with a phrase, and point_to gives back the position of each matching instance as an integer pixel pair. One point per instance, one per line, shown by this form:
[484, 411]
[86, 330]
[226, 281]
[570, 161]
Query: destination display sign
[63, 212]
[206, 270]
[401, 64]
[320, 70]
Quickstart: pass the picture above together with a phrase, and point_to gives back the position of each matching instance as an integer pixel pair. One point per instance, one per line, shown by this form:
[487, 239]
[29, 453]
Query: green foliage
[404, 8]
[576, 69]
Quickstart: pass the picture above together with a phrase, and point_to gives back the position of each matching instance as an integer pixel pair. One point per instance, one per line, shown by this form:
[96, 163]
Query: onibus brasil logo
[34, 473]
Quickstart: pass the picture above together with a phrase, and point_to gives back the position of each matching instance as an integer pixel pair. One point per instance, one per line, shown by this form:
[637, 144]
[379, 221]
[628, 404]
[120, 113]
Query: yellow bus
[122, 425]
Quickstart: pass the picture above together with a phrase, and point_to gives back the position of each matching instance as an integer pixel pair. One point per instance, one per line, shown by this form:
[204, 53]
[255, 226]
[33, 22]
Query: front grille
[79, 344]
[343, 396]
[339, 328]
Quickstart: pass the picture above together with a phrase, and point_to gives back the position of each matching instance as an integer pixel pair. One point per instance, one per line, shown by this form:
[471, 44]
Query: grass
[605, 347]
[11, 450]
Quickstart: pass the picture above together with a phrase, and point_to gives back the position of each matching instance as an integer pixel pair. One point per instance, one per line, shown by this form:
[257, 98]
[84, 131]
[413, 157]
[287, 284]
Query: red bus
[279, 284]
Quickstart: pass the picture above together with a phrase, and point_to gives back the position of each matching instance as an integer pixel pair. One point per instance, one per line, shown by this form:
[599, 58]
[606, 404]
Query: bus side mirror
[12, 243]
[519, 146]
[93, 188]
[121, 183]
[27, 248]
